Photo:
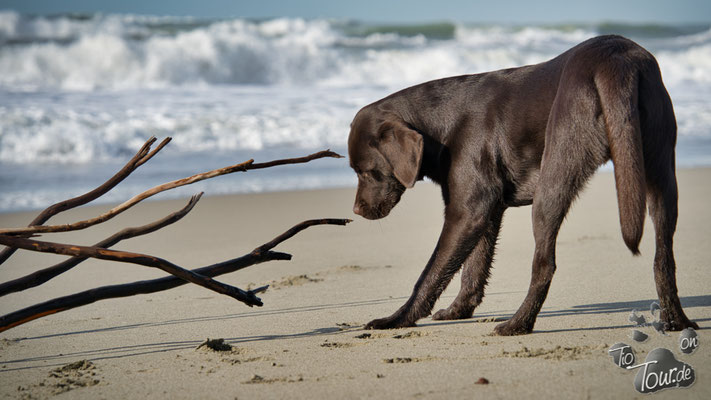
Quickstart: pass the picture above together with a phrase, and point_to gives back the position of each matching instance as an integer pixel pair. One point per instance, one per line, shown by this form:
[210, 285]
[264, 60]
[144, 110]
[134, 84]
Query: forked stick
[39, 277]
[132, 258]
[260, 254]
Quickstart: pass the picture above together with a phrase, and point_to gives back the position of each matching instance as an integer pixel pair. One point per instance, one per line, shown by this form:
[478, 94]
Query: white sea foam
[119, 52]
[88, 90]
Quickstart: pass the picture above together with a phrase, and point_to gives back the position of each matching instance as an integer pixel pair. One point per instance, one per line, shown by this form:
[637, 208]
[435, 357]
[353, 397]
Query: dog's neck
[435, 160]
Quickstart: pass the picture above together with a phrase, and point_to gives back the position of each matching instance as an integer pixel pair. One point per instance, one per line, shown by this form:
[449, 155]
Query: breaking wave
[80, 89]
[88, 52]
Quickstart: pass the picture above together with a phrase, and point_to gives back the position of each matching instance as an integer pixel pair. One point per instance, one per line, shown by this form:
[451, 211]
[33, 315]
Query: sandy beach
[307, 341]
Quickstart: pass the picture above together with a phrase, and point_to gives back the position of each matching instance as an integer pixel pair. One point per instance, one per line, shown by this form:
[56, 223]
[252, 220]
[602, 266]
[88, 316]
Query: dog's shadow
[624, 307]
[587, 309]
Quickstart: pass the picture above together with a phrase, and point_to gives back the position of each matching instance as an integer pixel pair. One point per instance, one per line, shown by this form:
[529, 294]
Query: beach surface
[308, 342]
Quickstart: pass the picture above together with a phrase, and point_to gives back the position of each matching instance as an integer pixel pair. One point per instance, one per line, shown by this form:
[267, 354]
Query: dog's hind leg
[659, 135]
[475, 274]
[574, 149]
[662, 200]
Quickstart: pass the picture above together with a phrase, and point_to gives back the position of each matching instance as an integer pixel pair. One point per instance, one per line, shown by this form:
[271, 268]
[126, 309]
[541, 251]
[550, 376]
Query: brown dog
[529, 135]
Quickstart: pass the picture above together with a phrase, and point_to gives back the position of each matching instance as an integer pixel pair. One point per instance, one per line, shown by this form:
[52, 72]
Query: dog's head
[386, 154]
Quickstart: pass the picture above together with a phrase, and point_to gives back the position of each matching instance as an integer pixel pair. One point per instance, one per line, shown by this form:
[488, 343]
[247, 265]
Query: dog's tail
[618, 88]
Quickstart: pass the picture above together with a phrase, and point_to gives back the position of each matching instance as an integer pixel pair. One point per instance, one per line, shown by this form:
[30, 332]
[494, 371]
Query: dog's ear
[402, 147]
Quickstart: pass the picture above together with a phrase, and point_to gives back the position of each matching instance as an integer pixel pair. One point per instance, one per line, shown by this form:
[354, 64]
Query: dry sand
[307, 340]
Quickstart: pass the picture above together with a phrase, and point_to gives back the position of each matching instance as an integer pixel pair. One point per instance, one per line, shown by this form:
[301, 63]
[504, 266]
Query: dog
[523, 136]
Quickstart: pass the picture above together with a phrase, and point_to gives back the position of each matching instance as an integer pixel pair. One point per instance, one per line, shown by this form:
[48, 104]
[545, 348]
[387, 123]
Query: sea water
[79, 94]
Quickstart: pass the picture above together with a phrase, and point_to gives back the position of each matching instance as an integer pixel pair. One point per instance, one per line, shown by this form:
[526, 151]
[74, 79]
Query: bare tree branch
[16, 238]
[133, 258]
[136, 161]
[39, 277]
[295, 230]
[258, 255]
[245, 166]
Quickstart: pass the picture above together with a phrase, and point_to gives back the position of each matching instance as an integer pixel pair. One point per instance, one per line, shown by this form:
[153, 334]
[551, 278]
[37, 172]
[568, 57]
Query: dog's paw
[389, 323]
[450, 313]
[679, 323]
[510, 328]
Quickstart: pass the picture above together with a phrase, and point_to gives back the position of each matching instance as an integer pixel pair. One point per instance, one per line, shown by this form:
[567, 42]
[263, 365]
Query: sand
[307, 341]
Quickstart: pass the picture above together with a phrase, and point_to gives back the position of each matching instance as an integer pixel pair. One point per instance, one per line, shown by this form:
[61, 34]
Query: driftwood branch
[260, 254]
[245, 166]
[19, 238]
[132, 258]
[140, 158]
[44, 275]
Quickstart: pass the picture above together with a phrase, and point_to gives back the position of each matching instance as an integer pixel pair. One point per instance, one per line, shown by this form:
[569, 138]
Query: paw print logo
[660, 369]
[640, 321]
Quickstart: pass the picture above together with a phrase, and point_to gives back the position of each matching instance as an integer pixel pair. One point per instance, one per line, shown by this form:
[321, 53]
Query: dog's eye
[375, 174]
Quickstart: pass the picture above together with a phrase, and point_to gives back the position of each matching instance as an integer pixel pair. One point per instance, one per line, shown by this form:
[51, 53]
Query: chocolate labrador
[521, 136]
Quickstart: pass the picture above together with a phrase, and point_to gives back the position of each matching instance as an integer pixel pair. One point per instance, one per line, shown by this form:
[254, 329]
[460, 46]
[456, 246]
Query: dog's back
[609, 80]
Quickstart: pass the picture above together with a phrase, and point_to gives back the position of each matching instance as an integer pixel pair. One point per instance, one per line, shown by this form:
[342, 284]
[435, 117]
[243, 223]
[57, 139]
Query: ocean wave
[82, 88]
[80, 93]
[224, 52]
[83, 127]
[96, 52]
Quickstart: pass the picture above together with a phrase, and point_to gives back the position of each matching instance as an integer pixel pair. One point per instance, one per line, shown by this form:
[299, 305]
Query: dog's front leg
[463, 227]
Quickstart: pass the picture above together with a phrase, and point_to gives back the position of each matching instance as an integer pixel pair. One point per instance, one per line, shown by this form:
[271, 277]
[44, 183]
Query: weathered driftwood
[259, 255]
[19, 238]
[39, 277]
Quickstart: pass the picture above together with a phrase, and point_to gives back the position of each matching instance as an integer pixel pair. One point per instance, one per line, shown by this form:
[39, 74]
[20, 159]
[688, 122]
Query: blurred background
[84, 83]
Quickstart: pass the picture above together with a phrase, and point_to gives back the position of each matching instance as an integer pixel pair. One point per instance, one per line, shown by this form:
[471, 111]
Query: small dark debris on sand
[364, 336]
[482, 381]
[215, 345]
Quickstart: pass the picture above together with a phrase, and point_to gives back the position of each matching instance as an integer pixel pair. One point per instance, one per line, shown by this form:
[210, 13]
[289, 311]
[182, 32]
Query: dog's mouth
[372, 213]
[381, 209]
